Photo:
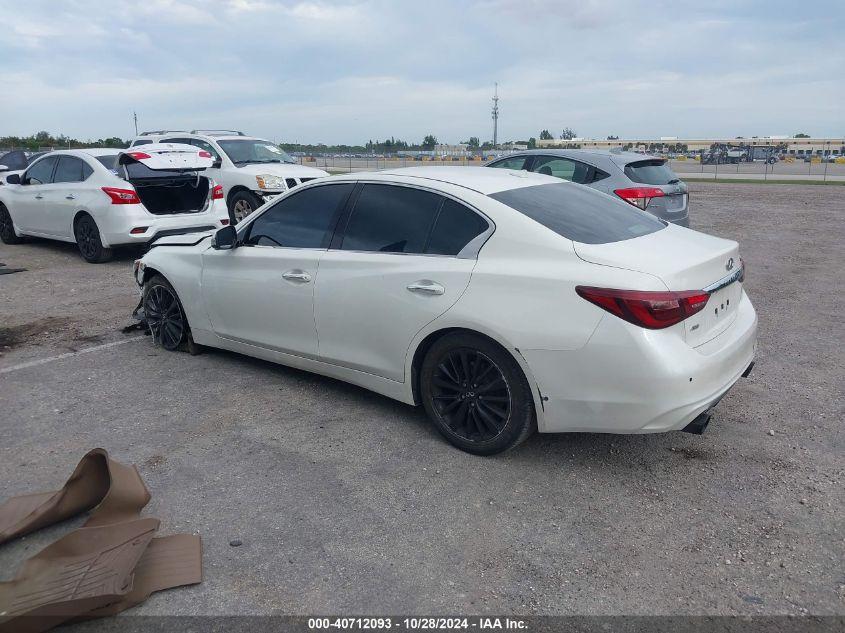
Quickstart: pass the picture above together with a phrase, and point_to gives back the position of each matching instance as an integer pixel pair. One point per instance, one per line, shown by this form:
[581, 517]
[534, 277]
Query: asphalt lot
[347, 502]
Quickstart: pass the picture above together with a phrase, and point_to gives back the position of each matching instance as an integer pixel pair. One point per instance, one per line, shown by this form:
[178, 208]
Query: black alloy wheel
[471, 395]
[164, 315]
[7, 229]
[476, 394]
[88, 240]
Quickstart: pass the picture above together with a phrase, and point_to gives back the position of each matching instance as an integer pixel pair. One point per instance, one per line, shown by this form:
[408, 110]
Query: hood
[284, 170]
[167, 157]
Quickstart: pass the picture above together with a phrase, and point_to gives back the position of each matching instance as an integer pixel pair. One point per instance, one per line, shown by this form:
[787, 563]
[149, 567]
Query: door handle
[70, 196]
[38, 196]
[297, 275]
[426, 287]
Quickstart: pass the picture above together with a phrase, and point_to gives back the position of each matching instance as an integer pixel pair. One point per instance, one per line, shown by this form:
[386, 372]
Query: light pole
[495, 114]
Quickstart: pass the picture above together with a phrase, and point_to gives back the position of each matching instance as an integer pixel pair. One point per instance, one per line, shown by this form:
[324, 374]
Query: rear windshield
[580, 213]
[109, 161]
[650, 172]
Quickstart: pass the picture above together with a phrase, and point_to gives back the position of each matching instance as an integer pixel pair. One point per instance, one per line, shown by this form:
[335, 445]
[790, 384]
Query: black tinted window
[516, 162]
[391, 219]
[109, 161]
[69, 170]
[455, 227]
[302, 220]
[141, 142]
[15, 160]
[41, 172]
[650, 172]
[579, 213]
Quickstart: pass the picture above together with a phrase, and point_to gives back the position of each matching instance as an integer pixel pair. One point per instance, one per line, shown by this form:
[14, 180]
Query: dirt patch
[17, 334]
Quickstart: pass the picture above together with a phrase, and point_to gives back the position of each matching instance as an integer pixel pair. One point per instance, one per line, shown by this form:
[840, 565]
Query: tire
[164, 314]
[7, 228]
[241, 205]
[88, 240]
[485, 417]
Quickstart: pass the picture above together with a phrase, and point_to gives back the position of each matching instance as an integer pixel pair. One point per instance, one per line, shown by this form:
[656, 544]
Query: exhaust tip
[697, 426]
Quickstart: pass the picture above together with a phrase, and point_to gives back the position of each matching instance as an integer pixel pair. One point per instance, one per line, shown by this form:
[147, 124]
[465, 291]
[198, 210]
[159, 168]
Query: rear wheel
[476, 394]
[88, 240]
[241, 205]
[7, 229]
[164, 314]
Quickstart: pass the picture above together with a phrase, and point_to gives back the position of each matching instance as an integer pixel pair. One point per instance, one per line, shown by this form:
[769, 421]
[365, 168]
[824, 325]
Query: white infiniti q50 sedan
[503, 302]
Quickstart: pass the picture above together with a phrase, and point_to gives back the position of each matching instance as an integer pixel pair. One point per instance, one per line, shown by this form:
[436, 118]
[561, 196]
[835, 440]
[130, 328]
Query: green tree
[429, 142]
[568, 134]
[545, 135]
[532, 143]
[802, 135]
[473, 142]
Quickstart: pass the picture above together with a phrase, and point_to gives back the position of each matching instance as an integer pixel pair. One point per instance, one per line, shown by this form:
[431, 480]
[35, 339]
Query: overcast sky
[347, 71]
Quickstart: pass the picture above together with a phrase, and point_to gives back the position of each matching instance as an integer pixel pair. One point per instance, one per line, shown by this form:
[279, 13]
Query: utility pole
[495, 114]
[135, 117]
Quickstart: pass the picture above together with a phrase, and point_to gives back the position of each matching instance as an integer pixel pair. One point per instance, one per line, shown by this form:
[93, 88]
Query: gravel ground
[347, 502]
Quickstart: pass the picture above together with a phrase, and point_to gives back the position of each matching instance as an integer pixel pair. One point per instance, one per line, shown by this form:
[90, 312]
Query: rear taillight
[652, 310]
[203, 154]
[139, 155]
[639, 196]
[122, 196]
[217, 192]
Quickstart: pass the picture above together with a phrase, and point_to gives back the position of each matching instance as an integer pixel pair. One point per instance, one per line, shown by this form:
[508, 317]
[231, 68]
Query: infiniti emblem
[730, 264]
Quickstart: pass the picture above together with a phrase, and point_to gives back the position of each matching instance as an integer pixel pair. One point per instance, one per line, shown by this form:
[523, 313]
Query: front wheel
[7, 228]
[476, 394]
[241, 205]
[164, 314]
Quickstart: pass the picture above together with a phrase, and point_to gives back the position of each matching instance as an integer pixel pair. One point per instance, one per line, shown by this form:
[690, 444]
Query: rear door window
[580, 214]
[651, 172]
[69, 169]
[302, 220]
[109, 161]
[455, 227]
[515, 162]
[41, 172]
[563, 168]
[391, 219]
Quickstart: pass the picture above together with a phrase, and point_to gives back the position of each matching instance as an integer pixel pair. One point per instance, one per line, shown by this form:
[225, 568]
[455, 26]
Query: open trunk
[181, 194]
[683, 260]
[166, 177]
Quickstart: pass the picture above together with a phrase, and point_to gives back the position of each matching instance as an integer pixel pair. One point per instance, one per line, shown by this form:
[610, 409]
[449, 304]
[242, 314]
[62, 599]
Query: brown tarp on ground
[110, 564]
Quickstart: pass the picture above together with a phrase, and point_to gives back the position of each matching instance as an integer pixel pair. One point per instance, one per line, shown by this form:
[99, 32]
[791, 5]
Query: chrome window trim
[725, 281]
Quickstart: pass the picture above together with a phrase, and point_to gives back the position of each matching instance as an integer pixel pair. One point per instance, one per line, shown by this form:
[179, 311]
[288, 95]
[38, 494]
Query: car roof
[215, 137]
[479, 179]
[618, 157]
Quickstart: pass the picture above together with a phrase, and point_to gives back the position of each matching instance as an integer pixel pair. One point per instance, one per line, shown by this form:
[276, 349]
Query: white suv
[251, 170]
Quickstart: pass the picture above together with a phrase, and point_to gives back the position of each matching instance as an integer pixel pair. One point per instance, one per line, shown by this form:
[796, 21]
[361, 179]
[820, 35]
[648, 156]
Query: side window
[87, 170]
[144, 141]
[517, 162]
[68, 170]
[390, 219]
[185, 141]
[208, 147]
[454, 228]
[303, 220]
[563, 168]
[41, 172]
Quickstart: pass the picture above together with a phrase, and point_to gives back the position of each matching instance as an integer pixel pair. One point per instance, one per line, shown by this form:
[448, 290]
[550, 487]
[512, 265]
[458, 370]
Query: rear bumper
[630, 380]
[116, 230]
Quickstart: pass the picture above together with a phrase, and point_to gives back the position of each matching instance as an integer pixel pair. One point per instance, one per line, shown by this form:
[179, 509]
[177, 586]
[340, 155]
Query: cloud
[347, 71]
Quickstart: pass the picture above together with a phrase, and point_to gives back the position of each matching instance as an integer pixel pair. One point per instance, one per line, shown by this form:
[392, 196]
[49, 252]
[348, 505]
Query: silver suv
[646, 182]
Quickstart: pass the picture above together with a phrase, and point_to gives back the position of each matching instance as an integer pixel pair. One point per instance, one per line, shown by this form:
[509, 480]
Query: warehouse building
[793, 146]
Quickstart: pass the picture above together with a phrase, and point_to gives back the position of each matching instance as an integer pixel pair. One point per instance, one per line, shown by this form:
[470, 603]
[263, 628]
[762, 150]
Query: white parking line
[87, 350]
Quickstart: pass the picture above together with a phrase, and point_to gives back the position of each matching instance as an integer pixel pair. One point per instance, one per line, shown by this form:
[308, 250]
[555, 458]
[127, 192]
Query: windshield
[243, 151]
[580, 213]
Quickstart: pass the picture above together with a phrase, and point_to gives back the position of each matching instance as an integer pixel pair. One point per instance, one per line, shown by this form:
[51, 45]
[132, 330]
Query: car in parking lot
[502, 301]
[15, 162]
[251, 170]
[103, 198]
[646, 182]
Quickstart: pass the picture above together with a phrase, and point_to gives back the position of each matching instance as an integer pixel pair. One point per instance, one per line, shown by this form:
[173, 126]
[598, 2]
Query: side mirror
[13, 179]
[225, 239]
[217, 164]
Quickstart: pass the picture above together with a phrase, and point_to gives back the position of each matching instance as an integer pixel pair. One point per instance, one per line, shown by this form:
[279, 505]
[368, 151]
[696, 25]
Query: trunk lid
[683, 260]
[171, 157]
[655, 172]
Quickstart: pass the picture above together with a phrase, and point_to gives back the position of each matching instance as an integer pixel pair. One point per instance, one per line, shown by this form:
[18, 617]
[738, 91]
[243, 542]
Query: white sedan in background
[501, 301]
[102, 198]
